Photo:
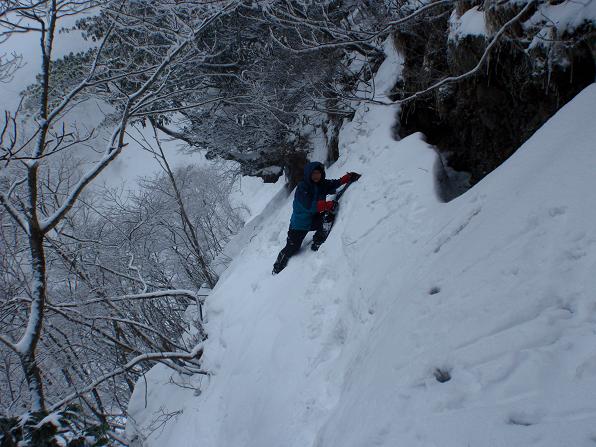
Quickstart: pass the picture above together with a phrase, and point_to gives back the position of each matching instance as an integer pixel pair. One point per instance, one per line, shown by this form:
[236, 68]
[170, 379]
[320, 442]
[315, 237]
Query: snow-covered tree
[48, 320]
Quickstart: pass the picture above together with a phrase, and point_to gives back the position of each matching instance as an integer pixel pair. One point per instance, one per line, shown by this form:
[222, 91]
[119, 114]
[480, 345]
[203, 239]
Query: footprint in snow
[587, 369]
[557, 211]
[525, 418]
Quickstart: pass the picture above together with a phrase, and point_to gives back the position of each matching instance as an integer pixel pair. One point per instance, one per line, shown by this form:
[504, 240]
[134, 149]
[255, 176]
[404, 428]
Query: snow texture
[471, 23]
[566, 16]
[557, 20]
[418, 323]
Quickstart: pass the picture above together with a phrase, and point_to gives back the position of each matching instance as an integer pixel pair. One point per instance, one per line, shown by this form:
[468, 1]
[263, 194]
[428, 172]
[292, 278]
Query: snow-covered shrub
[58, 429]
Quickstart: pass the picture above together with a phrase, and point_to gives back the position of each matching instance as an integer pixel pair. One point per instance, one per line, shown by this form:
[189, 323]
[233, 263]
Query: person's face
[316, 176]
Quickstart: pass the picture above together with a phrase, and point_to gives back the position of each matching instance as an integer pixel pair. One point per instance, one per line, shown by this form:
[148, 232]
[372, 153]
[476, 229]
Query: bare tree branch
[154, 356]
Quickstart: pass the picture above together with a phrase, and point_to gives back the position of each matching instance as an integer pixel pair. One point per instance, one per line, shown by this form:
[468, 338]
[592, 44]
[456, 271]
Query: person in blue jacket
[309, 207]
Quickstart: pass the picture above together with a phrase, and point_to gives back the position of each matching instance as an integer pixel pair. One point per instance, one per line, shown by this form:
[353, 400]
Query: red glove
[323, 206]
[349, 177]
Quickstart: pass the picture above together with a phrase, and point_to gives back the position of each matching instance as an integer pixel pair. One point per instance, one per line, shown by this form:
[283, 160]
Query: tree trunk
[28, 343]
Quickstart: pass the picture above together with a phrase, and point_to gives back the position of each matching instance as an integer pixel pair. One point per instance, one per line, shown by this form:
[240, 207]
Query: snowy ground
[496, 289]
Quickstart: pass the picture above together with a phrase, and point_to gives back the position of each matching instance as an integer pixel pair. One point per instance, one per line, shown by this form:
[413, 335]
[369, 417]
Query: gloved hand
[349, 177]
[323, 206]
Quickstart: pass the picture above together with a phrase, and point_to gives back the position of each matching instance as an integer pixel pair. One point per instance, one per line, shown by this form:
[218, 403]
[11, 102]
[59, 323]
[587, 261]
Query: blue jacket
[308, 194]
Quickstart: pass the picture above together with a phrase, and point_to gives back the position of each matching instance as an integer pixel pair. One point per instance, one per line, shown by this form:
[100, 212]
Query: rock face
[532, 72]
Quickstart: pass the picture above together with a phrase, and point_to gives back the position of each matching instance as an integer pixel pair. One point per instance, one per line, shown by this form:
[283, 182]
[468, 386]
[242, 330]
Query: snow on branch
[110, 154]
[478, 66]
[135, 101]
[340, 37]
[9, 66]
[8, 343]
[15, 214]
[149, 357]
[42, 202]
[135, 297]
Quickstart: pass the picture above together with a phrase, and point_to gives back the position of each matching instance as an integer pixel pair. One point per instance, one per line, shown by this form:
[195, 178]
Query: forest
[100, 283]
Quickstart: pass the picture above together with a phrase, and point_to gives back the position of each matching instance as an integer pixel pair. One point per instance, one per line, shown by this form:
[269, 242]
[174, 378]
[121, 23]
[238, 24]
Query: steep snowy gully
[493, 293]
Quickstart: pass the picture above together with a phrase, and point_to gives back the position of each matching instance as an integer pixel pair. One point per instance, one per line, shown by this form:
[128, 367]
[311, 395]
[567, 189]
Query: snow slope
[495, 288]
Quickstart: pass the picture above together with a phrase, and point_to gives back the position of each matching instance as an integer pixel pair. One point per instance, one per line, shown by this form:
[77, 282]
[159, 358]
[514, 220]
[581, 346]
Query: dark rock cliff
[478, 122]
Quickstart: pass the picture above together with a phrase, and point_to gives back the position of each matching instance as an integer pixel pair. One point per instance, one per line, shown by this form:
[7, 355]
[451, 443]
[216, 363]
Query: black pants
[294, 241]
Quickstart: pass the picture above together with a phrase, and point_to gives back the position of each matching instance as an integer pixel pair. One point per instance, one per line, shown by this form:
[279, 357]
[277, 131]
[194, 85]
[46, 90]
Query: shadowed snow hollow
[493, 293]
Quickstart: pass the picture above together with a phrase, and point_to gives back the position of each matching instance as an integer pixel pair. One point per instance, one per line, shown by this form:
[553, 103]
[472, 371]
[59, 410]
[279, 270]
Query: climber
[309, 207]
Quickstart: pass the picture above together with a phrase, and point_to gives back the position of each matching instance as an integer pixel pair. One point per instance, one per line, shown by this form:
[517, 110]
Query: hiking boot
[280, 263]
